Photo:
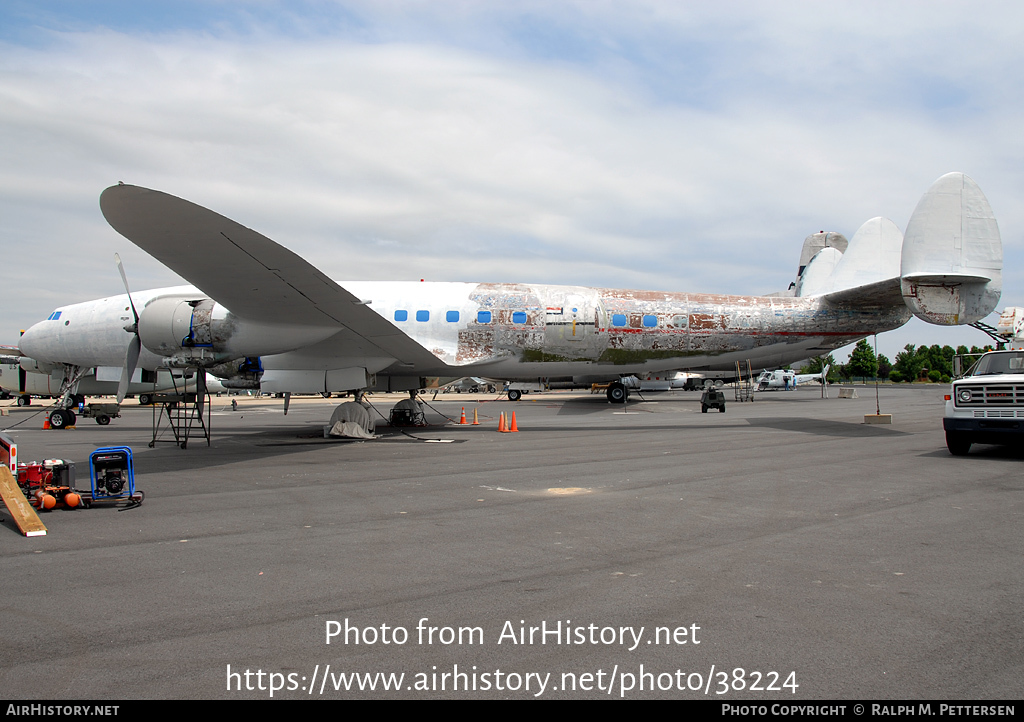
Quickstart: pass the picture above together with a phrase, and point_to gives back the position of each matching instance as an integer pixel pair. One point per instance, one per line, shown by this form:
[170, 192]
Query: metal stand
[183, 411]
[744, 387]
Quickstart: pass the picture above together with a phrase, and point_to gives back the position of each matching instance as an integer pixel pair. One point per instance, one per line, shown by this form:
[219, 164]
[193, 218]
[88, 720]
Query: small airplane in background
[259, 316]
[787, 379]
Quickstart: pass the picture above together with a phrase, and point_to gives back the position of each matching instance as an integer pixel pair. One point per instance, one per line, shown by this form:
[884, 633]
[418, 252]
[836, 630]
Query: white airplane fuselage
[506, 331]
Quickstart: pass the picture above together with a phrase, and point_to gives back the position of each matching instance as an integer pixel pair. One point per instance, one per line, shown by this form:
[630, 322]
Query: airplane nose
[33, 343]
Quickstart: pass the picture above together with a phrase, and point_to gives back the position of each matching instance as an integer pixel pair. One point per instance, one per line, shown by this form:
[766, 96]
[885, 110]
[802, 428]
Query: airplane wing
[246, 272]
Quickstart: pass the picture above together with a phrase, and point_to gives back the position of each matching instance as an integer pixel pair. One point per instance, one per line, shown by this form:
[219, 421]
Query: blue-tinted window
[519, 317]
[54, 316]
[423, 315]
[618, 319]
[452, 317]
[483, 316]
[401, 315]
[650, 321]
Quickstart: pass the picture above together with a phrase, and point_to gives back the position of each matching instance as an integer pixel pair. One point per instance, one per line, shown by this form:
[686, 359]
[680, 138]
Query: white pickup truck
[986, 406]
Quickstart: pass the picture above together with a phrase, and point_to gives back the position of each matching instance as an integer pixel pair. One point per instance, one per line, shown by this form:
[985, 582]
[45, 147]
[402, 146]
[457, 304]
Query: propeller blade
[131, 358]
[124, 280]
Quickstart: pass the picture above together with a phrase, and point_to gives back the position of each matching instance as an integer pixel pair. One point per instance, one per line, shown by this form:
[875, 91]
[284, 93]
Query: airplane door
[571, 324]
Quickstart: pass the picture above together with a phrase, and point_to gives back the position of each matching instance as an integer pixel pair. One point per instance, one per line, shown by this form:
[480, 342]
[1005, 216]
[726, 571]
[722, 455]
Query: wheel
[722, 408]
[102, 419]
[59, 419]
[145, 399]
[617, 393]
[24, 401]
[70, 416]
[514, 394]
[703, 408]
[957, 443]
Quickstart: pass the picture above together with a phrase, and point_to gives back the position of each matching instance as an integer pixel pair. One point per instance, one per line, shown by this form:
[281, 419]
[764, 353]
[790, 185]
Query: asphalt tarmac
[782, 550]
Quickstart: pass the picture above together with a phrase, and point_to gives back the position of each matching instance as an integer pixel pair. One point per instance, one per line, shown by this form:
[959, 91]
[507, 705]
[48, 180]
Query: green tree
[884, 366]
[862, 361]
[908, 364]
[817, 363]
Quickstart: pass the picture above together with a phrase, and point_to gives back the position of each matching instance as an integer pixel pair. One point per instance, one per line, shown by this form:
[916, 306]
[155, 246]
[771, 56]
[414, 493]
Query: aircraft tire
[957, 443]
[24, 400]
[617, 393]
[59, 419]
[514, 394]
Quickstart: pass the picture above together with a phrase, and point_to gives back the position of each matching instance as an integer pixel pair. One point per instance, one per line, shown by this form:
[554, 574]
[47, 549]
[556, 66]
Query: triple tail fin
[947, 269]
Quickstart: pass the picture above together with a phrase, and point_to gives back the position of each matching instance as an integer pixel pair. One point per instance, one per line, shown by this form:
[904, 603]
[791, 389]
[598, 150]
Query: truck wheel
[703, 408]
[24, 401]
[102, 419]
[145, 399]
[957, 443]
[722, 408]
[514, 394]
[59, 419]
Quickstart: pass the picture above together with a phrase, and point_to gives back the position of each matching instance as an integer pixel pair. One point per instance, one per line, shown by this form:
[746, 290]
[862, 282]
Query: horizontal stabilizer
[879, 296]
[952, 258]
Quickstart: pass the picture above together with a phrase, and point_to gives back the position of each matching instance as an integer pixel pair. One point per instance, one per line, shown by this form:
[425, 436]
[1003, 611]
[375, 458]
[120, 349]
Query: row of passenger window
[619, 320]
[453, 316]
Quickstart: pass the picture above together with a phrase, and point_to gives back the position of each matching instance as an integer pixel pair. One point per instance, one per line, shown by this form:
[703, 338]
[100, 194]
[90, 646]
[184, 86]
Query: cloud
[649, 145]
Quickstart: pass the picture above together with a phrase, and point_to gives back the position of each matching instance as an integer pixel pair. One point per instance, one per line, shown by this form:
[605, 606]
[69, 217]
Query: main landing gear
[617, 392]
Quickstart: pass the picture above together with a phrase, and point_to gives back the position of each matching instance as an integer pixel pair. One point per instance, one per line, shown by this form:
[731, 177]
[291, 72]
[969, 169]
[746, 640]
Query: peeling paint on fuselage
[501, 331]
[593, 331]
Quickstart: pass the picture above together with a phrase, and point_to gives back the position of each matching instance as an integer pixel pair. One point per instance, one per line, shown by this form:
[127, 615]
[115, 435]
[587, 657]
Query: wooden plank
[22, 512]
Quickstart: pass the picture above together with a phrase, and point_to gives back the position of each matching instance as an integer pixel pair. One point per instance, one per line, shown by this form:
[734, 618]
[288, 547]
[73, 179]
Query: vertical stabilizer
[817, 276]
[952, 258]
[873, 255]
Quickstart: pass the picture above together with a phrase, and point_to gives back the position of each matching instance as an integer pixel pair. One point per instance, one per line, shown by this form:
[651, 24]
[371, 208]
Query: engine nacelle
[36, 367]
[190, 331]
[242, 373]
[181, 328]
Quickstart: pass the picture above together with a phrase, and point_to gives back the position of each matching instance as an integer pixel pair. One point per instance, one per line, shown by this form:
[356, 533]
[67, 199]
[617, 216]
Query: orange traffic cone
[476, 421]
[513, 427]
[46, 422]
[501, 423]
[463, 421]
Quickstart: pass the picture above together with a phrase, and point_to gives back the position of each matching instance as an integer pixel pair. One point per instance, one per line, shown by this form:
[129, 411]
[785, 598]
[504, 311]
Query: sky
[669, 146]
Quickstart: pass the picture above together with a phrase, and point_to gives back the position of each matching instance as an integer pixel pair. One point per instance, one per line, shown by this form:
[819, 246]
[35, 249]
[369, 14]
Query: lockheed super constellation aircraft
[260, 316]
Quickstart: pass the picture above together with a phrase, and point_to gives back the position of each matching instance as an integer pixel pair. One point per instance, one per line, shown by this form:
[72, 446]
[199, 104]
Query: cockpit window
[53, 316]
